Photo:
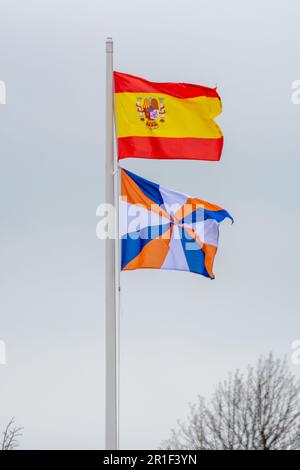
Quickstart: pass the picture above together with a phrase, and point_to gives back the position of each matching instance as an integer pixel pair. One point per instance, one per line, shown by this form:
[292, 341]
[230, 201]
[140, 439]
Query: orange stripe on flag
[210, 253]
[131, 193]
[153, 254]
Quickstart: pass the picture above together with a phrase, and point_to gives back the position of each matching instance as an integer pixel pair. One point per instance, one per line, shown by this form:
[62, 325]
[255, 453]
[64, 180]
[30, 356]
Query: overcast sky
[180, 333]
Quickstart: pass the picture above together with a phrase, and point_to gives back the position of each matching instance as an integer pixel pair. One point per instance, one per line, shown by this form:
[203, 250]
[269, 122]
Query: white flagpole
[111, 269]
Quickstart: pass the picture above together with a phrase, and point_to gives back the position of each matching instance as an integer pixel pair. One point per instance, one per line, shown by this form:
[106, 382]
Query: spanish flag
[166, 120]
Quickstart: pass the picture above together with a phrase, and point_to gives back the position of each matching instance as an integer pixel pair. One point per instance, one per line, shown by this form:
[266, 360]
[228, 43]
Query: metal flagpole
[111, 268]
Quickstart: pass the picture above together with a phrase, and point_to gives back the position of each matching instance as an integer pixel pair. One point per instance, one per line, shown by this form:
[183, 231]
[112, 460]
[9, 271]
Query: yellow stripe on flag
[192, 117]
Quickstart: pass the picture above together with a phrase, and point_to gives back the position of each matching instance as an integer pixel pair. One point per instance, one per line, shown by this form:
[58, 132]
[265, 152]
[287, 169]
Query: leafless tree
[256, 411]
[10, 436]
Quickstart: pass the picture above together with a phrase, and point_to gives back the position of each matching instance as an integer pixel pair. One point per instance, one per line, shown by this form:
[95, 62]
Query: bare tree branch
[256, 411]
[10, 436]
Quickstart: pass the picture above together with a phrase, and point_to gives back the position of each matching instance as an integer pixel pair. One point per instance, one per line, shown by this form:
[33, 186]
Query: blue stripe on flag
[204, 214]
[151, 190]
[194, 254]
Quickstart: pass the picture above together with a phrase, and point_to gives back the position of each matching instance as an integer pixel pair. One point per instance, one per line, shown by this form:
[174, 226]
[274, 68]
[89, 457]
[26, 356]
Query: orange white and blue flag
[164, 229]
[166, 120]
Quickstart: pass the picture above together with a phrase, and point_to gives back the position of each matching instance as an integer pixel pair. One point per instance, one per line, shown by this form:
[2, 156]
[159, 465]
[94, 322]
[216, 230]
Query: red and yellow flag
[166, 120]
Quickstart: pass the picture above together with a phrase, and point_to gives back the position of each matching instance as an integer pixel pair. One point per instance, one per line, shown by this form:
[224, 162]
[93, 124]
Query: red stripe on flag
[131, 84]
[188, 148]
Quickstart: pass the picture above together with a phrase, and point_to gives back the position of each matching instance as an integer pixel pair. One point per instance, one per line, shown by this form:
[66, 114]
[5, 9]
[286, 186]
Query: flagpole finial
[109, 44]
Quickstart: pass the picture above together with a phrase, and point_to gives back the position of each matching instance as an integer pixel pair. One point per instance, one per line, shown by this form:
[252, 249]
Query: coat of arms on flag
[164, 229]
[152, 110]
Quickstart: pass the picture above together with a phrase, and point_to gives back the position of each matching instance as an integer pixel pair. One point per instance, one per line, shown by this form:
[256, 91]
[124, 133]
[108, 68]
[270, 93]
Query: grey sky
[180, 332]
